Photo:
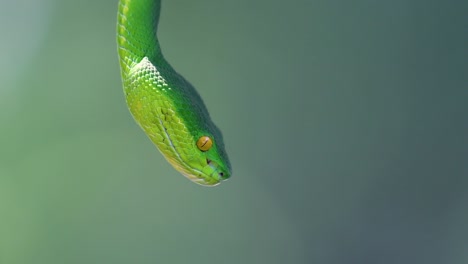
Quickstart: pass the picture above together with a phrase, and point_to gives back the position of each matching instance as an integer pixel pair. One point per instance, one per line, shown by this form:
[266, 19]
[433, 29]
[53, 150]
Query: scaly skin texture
[162, 102]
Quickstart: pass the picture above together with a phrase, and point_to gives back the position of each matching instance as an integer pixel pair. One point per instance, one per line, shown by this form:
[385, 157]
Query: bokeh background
[346, 123]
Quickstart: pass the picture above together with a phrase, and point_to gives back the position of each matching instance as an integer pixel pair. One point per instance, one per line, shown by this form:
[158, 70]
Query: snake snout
[218, 171]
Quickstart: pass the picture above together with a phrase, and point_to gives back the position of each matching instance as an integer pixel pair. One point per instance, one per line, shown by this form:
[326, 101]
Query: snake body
[164, 104]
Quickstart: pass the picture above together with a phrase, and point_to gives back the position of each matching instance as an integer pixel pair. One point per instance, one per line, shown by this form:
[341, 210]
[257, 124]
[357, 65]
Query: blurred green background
[345, 122]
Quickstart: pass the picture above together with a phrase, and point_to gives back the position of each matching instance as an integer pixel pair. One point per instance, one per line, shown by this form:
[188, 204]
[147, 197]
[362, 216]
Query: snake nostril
[221, 174]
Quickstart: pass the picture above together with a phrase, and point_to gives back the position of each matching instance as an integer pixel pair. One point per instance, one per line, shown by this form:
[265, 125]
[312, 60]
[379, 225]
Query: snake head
[207, 164]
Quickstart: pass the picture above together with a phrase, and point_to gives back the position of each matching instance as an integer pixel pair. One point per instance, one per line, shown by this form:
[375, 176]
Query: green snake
[165, 105]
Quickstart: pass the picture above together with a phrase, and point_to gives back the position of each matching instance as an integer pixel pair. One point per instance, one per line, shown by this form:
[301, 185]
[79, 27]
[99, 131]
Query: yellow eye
[204, 143]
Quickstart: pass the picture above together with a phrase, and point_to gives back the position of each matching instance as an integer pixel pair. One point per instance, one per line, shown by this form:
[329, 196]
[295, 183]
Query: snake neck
[137, 25]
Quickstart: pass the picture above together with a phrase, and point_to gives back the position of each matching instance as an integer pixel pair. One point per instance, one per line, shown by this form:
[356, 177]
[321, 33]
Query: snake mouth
[210, 175]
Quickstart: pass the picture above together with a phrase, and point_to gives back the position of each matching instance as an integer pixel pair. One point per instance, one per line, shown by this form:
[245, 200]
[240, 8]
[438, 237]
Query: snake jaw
[211, 175]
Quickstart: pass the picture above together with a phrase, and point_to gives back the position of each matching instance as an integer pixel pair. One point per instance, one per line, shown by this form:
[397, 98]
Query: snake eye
[204, 143]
